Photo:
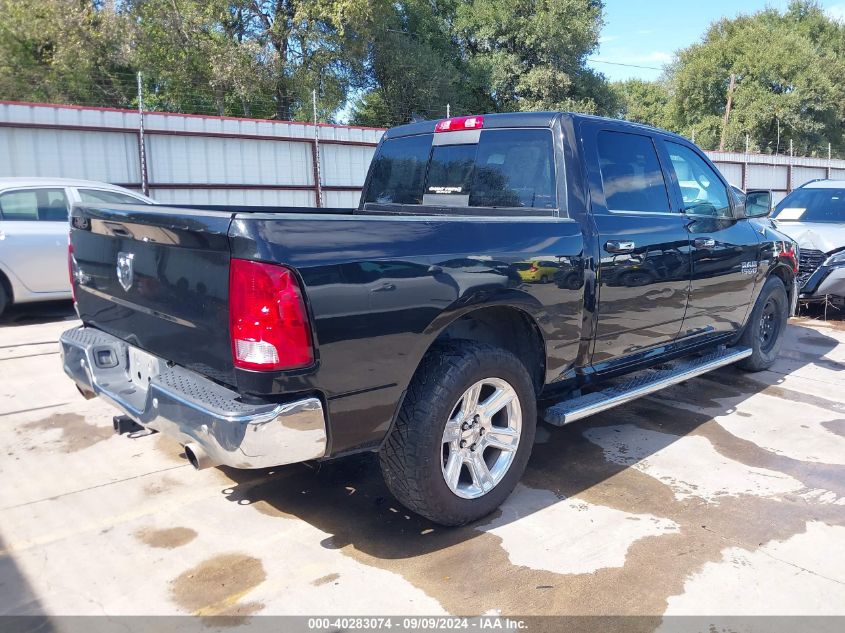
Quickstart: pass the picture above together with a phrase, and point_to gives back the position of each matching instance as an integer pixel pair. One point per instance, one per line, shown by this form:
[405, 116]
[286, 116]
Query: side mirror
[758, 203]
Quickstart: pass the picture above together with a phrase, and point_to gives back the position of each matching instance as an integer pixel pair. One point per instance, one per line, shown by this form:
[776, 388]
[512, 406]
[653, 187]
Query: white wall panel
[800, 175]
[106, 156]
[341, 199]
[214, 160]
[250, 197]
[732, 173]
[344, 165]
[767, 177]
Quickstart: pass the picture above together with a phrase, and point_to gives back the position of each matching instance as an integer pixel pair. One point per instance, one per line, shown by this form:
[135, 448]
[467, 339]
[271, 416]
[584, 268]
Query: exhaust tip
[197, 457]
[88, 395]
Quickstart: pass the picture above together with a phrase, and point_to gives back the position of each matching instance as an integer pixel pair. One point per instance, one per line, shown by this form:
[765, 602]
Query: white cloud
[837, 12]
[604, 39]
[661, 57]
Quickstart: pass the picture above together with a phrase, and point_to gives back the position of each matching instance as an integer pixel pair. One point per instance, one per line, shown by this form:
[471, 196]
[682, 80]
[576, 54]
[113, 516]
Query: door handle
[384, 287]
[704, 242]
[615, 246]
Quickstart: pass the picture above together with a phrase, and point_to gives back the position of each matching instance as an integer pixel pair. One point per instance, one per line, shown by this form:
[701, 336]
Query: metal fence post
[318, 187]
[828, 161]
[142, 154]
[745, 164]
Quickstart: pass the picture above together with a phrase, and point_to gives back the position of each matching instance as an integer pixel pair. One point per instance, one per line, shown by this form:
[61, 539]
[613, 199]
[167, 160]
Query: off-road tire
[765, 353]
[411, 455]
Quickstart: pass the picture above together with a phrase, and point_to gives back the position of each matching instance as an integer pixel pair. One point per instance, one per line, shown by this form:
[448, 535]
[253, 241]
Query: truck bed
[378, 288]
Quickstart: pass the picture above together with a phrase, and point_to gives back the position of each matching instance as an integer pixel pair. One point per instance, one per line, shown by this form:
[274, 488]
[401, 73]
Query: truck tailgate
[157, 277]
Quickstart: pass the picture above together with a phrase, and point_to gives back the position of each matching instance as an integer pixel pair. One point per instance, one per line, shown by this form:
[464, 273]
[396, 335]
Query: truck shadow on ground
[347, 499]
[42, 312]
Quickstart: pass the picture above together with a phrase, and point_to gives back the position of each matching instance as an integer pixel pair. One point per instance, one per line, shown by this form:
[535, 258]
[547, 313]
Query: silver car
[34, 229]
[814, 216]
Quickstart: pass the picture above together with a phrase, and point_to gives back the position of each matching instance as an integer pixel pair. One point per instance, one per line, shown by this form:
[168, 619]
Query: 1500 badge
[749, 268]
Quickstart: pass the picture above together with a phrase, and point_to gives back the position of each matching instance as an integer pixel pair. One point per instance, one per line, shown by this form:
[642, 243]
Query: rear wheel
[766, 326]
[4, 298]
[463, 435]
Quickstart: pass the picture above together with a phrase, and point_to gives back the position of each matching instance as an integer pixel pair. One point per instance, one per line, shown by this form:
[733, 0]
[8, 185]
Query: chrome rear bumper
[193, 409]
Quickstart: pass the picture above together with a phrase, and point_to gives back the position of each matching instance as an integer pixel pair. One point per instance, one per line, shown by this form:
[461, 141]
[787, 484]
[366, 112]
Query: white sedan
[33, 233]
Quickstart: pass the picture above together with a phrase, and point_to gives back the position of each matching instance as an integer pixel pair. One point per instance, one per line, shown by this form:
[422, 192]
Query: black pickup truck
[498, 269]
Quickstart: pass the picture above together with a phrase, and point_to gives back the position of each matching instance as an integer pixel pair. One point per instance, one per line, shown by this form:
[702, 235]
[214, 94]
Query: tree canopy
[379, 62]
[789, 72]
[385, 62]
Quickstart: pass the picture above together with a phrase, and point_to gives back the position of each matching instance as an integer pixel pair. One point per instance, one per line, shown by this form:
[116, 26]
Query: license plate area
[143, 367]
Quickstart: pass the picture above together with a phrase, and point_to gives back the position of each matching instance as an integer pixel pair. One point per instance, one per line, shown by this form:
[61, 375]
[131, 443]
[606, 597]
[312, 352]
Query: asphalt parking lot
[722, 495]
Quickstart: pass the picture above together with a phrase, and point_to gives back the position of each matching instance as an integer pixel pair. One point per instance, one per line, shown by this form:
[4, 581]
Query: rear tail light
[267, 318]
[460, 123]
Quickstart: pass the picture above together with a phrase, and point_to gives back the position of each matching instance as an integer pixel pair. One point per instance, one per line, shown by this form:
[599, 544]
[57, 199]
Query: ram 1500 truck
[409, 326]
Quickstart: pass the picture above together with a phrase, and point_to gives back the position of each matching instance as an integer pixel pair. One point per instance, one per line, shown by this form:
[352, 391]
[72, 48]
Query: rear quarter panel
[381, 288]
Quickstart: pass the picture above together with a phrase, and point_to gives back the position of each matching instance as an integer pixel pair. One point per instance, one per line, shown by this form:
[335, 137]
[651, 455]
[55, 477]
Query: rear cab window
[502, 169]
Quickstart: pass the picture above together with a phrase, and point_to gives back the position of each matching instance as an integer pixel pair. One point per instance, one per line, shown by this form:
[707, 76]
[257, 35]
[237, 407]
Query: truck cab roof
[519, 119]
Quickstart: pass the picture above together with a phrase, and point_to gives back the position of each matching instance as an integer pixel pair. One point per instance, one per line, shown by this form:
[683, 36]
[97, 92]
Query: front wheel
[463, 435]
[766, 326]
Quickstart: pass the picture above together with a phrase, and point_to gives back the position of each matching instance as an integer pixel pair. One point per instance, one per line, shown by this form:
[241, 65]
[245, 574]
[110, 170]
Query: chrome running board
[647, 382]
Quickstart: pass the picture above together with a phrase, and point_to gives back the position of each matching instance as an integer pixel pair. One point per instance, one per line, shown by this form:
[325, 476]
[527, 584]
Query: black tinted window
[399, 170]
[630, 173]
[506, 168]
[514, 168]
[451, 169]
[812, 205]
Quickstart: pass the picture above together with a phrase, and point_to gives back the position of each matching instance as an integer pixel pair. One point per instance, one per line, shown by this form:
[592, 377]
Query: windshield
[812, 205]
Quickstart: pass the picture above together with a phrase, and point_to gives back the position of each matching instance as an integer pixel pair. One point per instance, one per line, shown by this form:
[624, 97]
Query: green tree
[790, 81]
[414, 66]
[532, 54]
[64, 52]
[642, 102]
[251, 57]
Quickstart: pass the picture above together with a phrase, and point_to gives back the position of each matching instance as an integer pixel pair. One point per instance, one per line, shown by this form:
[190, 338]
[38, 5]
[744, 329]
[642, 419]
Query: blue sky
[647, 32]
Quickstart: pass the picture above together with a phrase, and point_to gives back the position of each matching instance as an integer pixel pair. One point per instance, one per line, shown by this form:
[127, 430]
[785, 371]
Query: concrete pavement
[722, 495]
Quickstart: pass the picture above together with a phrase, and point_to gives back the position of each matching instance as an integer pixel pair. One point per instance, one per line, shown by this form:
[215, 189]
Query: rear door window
[630, 172]
[504, 169]
[34, 205]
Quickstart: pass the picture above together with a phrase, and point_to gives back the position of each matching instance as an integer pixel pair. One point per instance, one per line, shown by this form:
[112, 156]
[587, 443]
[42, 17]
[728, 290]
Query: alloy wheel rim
[769, 325]
[481, 438]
